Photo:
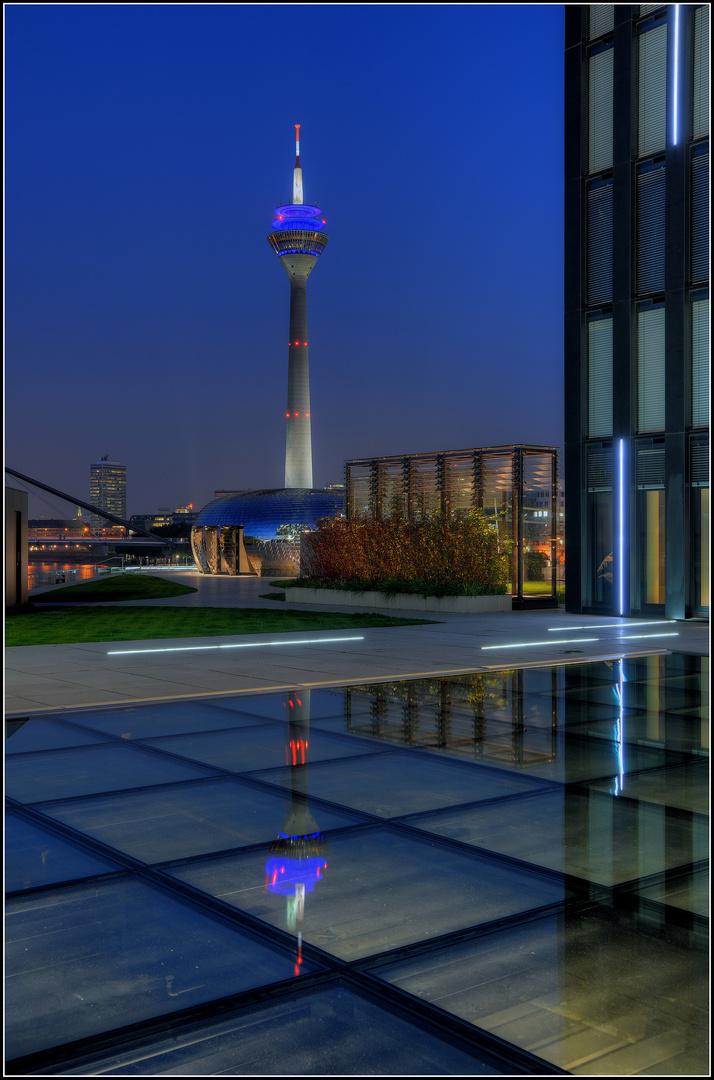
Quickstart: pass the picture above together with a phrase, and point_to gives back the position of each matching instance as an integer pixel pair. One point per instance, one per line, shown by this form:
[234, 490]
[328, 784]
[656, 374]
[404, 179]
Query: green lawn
[113, 589]
[65, 626]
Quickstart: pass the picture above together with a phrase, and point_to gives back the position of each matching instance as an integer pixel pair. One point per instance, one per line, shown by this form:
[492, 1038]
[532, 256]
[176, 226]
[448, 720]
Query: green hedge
[436, 557]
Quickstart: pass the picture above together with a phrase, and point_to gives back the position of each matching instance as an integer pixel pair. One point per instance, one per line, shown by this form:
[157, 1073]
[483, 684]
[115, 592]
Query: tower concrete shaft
[298, 240]
[298, 436]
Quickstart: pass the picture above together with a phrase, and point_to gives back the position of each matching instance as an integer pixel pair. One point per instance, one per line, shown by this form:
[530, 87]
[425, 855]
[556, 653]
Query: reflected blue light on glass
[640, 637]
[527, 644]
[241, 645]
[676, 74]
[283, 874]
[619, 731]
[621, 526]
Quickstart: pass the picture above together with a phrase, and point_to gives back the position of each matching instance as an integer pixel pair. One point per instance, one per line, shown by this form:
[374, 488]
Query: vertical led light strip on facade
[621, 526]
[676, 74]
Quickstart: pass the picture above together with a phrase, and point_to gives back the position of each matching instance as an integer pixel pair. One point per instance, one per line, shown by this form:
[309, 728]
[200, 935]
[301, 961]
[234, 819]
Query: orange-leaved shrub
[459, 556]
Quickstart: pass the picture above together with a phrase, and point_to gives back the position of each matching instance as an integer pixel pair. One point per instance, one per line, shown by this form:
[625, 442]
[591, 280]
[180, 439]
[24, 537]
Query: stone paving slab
[45, 677]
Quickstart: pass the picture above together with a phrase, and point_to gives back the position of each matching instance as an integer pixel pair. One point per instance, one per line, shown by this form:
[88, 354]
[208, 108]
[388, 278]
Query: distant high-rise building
[637, 308]
[107, 489]
[298, 238]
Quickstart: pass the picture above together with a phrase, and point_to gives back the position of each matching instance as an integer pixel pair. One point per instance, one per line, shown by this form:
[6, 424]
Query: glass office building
[637, 308]
[515, 486]
[107, 490]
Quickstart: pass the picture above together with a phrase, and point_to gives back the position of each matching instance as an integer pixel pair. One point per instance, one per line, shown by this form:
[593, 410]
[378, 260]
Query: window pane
[600, 377]
[600, 110]
[650, 514]
[700, 363]
[650, 369]
[650, 228]
[700, 213]
[600, 525]
[652, 89]
[600, 243]
[602, 19]
[700, 89]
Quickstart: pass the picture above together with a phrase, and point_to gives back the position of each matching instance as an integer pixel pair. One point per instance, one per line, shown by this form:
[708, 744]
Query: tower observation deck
[298, 239]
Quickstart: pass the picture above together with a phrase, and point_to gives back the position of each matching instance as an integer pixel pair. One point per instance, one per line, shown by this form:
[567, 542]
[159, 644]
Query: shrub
[437, 554]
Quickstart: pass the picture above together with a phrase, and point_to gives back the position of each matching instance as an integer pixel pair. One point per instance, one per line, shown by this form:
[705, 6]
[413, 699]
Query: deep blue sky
[147, 317]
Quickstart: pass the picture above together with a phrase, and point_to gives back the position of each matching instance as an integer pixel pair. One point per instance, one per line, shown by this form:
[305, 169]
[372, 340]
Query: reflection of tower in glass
[297, 859]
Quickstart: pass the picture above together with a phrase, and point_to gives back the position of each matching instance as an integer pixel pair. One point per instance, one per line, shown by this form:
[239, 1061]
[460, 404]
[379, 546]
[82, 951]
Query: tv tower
[298, 239]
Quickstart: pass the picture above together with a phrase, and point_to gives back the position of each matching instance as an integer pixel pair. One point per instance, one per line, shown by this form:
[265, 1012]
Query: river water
[57, 573]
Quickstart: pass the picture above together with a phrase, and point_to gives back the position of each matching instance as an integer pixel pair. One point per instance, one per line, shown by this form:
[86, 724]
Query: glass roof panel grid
[36, 856]
[120, 952]
[255, 748]
[318, 1032]
[413, 890]
[381, 889]
[56, 774]
[585, 834]
[593, 992]
[392, 784]
[186, 820]
[45, 734]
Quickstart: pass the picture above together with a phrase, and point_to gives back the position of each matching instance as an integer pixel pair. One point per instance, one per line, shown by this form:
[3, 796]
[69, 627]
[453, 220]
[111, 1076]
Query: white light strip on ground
[527, 644]
[676, 71]
[241, 645]
[610, 626]
[626, 637]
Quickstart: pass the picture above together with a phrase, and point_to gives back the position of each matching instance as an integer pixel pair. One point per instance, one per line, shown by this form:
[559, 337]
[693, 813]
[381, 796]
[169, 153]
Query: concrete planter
[466, 605]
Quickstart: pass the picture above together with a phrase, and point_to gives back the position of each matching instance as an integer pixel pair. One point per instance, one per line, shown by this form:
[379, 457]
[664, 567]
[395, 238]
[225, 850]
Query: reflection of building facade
[107, 489]
[637, 308]
[515, 486]
[481, 717]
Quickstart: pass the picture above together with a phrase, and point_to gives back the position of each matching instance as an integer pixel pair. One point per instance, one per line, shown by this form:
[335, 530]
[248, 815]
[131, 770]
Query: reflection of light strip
[676, 71]
[242, 645]
[625, 637]
[527, 644]
[621, 553]
[619, 729]
[610, 626]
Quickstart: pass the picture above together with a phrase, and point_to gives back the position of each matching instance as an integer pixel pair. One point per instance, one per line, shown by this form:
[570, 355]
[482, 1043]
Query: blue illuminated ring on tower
[298, 242]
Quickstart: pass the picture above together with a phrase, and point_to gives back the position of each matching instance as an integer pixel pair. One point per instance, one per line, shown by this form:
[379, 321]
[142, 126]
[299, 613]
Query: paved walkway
[44, 678]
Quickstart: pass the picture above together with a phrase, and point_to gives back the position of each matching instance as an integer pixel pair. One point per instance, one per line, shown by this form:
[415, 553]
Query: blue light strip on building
[676, 74]
[621, 527]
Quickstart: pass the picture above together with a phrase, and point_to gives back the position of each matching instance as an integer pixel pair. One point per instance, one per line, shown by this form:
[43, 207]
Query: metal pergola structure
[516, 487]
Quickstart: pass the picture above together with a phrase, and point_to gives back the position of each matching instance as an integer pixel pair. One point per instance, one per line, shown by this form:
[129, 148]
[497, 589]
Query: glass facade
[637, 307]
[515, 486]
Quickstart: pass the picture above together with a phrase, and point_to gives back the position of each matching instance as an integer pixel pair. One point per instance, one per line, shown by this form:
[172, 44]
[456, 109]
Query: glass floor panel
[182, 820]
[249, 749]
[85, 959]
[596, 993]
[35, 855]
[46, 735]
[402, 898]
[378, 890]
[85, 770]
[683, 786]
[389, 785]
[318, 1033]
[587, 834]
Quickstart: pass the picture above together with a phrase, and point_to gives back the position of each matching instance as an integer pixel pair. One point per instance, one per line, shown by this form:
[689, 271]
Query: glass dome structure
[263, 512]
[270, 515]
